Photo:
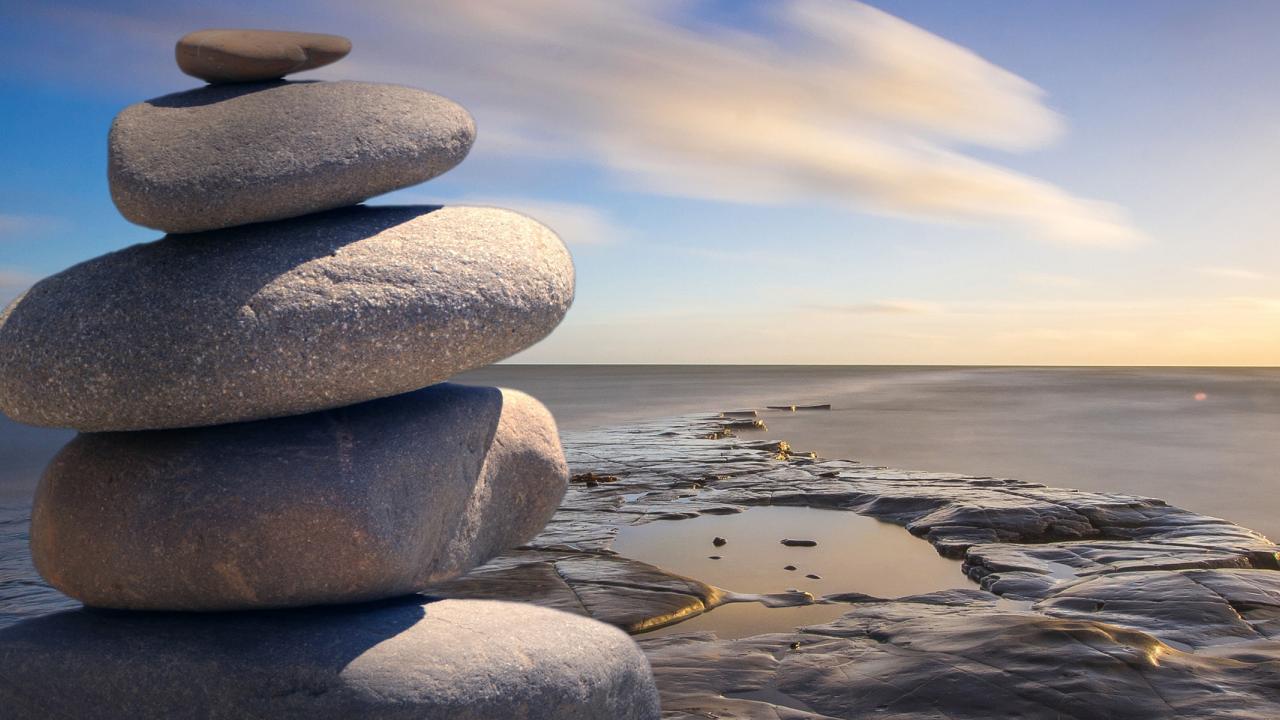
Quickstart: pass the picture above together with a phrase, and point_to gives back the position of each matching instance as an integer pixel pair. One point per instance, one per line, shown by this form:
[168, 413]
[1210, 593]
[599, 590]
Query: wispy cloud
[1050, 280]
[880, 307]
[1232, 273]
[836, 100]
[824, 99]
[17, 226]
[1263, 304]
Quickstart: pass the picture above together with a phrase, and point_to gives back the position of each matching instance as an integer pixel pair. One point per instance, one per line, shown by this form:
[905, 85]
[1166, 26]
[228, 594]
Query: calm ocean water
[1207, 439]
[1204, 439]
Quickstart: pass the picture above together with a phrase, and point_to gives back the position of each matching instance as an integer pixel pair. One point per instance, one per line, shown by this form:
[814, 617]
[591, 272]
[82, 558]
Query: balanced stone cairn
[261, 428]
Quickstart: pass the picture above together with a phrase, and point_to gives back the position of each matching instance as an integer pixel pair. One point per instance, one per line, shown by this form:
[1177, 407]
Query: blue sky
[801, 181]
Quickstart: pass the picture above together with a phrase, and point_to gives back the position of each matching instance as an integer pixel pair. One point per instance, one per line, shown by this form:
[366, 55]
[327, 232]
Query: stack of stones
[261, 431]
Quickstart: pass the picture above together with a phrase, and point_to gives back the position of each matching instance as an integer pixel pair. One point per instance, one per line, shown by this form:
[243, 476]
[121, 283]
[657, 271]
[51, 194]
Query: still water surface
[854, 553]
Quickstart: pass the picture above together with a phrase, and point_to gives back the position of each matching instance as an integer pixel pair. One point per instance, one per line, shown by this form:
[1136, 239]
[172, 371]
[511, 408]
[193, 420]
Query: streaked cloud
[836, 100]
[1263, 304]
[880, 307]
[826, 100]
[16, 226]
[1232, 273]
[1050, 280]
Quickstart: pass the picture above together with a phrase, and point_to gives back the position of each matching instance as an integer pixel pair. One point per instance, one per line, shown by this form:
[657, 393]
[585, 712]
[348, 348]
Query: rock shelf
[1086, 604]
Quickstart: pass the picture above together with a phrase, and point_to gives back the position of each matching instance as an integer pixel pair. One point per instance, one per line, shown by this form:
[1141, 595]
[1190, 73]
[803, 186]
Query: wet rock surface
[1088, 605]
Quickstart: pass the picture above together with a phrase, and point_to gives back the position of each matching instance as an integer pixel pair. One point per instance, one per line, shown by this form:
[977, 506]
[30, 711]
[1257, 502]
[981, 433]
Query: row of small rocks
[261, 424]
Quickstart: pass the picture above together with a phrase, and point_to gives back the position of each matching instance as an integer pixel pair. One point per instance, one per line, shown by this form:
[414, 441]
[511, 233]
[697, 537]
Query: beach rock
[280, 319]
[935, 658]
[230, 56]
[632, 595]
[354, 504]
[450, 659]
[233, 154]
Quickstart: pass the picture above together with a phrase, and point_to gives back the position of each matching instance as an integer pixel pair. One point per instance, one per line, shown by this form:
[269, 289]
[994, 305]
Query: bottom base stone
[407, 658]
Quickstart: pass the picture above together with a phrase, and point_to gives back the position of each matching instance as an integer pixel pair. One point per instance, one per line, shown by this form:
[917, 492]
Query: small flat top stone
[228, 56]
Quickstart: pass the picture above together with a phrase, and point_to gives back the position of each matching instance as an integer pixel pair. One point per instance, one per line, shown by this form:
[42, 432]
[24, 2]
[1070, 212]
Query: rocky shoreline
[1087, 605]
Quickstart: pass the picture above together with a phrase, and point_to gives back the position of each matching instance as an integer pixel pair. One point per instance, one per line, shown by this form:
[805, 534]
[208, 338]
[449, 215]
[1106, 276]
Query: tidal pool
[854, 554]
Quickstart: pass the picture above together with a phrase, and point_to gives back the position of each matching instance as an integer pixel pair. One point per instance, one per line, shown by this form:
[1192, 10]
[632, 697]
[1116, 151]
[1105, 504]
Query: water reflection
[854, 554]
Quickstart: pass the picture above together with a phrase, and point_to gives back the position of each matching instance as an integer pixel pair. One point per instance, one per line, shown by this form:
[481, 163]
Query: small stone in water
[713, 557]
[799, 543]
[719, 541]
[813, 576]
[789, 567]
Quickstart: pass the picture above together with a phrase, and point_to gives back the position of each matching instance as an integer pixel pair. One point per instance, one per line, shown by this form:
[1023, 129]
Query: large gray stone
[280, 319]
[232, 154]
[222, 56]
[451, 659]
[359, 503]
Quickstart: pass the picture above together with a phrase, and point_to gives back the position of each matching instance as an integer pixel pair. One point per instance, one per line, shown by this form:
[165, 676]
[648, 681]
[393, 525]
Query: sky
[783, 181]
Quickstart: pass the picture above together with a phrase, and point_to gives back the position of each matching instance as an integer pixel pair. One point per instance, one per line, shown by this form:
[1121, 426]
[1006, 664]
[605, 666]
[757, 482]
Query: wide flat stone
[280, 319]
[936, 658]
[451, 659]
[227, 56]
[228, 155]
[359, 503]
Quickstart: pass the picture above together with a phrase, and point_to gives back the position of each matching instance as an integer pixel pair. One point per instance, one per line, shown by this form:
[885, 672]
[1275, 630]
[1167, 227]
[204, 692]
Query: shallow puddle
[854, 554]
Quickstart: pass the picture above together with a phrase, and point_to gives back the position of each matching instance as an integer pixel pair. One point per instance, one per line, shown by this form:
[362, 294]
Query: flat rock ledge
[410, 658]
[1085, 605]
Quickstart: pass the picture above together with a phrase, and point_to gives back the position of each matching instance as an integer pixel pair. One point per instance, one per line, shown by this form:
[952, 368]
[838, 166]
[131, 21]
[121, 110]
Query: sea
[1206, 439]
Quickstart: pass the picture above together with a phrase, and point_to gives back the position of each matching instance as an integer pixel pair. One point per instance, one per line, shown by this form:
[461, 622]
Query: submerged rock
[451, 660]
[358, 503]
[226, 56]
[280, 319]
[228, 155]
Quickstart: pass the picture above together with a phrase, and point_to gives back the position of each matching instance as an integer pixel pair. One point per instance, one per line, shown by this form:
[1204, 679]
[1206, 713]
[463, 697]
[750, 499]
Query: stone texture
[956, 659]
[229, 56]
[233, 154]
[452, 659]
[278, 319]
[1157, 612]
[358, 503]
[1160, 612]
